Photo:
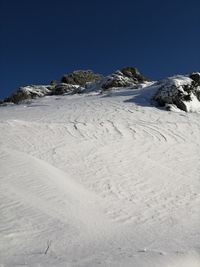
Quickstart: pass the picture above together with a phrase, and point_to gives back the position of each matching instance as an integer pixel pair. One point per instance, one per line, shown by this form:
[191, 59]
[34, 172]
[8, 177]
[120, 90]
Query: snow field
[99, 180]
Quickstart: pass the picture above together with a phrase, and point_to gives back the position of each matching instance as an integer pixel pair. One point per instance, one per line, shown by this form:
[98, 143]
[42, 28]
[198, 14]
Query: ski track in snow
[100, 180]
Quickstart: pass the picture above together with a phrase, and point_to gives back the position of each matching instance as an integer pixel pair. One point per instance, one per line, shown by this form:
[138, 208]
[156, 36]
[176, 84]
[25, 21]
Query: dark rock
[63, 88]
[27, 93]
[181, 91]
[134, 74]
[81, 77]
[126, 77]
[196, 78]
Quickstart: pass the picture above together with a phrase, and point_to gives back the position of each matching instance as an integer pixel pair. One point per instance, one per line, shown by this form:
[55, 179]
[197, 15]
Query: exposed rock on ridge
[81, 77]
[181, 91]
[124, 78]
[29, 92]
[178, 92]
[65, 88]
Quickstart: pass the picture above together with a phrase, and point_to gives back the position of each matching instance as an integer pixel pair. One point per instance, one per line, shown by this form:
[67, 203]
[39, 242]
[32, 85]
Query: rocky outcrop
[78, 82]
[181, 91]
[81, 77]
[26, 93]
[134, 74]
[29, 92]
[125, 77]
[64, 88]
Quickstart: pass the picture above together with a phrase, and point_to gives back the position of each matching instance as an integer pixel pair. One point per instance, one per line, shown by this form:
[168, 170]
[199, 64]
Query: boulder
[125, 77]
[134, 74]
[181, 91]
[26, 93]
[64, 88]
[81, 77]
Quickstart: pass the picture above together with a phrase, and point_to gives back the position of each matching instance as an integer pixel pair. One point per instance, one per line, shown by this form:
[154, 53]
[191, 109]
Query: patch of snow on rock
[181, 91]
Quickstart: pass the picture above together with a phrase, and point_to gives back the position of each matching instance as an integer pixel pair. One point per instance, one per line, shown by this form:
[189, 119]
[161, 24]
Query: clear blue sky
[42, 40]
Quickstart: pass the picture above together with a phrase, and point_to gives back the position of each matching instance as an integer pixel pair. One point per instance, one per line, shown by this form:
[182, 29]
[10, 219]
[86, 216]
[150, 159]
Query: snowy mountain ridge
[179, 92]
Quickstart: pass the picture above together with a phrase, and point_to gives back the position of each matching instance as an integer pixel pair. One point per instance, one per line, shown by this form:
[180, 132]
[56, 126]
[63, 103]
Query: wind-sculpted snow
[99, 180]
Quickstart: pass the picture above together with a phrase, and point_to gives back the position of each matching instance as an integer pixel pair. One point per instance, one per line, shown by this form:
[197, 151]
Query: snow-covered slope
[99, 180]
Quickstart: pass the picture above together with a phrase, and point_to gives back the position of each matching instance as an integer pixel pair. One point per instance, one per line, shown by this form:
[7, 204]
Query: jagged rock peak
[81, 77]
[125, 77]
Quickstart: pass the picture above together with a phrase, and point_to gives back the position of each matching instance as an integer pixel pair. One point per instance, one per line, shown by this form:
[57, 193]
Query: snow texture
[99, 180]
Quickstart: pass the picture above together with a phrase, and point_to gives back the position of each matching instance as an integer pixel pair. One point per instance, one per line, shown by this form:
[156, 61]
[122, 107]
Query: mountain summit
[178, 92]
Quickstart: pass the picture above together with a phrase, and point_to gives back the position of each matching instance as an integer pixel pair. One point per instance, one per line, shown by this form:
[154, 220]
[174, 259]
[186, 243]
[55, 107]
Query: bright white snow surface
[96, 180]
